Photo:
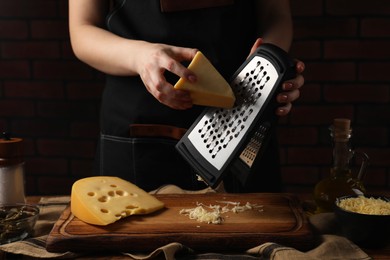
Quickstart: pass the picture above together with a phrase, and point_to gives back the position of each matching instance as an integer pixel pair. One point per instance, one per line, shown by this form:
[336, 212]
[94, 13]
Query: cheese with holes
[102, 200]
[210, 89]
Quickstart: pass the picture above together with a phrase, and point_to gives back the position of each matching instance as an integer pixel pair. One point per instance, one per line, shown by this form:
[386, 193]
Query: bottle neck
[342, 153]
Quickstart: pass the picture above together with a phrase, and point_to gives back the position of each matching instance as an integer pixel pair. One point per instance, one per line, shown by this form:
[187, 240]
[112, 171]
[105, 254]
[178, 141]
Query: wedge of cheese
[211, 89]
[102, 200]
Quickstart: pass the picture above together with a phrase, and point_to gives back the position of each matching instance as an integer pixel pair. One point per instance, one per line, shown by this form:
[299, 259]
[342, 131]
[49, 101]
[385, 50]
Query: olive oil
[338, 184]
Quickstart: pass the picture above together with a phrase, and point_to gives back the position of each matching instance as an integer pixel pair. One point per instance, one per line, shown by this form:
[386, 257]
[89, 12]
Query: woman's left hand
[291, 90]
[291, 87]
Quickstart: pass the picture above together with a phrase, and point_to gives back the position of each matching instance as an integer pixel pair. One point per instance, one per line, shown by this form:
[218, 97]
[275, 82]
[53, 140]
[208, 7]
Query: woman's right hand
[153, 60]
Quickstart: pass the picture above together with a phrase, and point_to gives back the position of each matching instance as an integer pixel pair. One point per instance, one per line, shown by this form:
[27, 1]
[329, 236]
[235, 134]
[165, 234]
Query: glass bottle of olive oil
[340, 181]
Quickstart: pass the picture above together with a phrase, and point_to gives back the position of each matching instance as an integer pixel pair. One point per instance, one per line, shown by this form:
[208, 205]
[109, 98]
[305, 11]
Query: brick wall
[51, 100]
[344, 45]
[47, 97]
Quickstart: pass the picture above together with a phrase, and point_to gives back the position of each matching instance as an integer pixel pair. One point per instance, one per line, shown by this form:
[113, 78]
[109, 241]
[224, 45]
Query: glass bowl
[17, 221]
[365, 230]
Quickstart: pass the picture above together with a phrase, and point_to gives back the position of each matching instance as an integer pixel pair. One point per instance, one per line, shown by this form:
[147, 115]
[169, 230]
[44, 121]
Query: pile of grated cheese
[212, 214]
[364, 205]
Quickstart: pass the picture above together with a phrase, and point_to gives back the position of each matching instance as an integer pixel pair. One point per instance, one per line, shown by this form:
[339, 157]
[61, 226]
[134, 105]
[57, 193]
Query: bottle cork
[341, 129]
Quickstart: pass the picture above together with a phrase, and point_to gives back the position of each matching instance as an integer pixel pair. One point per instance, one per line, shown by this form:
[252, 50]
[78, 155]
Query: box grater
[220, 137]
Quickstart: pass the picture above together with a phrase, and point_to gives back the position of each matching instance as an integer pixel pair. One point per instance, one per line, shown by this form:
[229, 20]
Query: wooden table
[377, 254]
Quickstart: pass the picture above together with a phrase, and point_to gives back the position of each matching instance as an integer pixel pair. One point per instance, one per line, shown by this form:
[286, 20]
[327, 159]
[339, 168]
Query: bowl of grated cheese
[365, 220]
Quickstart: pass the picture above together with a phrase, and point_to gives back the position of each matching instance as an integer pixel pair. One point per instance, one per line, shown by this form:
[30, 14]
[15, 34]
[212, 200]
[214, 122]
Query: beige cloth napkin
[332, 246]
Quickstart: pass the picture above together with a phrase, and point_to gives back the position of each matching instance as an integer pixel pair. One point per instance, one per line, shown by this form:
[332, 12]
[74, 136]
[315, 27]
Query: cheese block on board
[210, 89]
[102, 200]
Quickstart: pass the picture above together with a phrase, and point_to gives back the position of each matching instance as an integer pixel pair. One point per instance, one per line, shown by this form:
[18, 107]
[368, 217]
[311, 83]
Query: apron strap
[155, 130]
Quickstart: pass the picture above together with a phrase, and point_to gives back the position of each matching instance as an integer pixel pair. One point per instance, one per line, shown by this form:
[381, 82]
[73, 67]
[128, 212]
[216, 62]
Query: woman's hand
[291, 88]
[153, 60]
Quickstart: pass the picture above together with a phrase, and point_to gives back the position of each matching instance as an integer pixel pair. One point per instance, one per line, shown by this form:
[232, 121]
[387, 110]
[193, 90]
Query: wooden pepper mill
[11, 170]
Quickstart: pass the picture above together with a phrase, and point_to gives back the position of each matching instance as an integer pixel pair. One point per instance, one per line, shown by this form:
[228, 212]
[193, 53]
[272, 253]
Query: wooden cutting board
[281, 220]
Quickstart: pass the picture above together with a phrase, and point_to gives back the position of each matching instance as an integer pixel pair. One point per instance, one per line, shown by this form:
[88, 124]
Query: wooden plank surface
[281, 220]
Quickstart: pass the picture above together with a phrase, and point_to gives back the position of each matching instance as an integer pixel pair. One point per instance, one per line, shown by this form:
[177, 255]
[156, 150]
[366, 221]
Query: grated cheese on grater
[364, 205]
[212, 214]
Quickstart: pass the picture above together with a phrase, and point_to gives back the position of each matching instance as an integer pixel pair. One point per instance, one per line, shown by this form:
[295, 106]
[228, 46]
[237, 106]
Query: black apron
[223, 31]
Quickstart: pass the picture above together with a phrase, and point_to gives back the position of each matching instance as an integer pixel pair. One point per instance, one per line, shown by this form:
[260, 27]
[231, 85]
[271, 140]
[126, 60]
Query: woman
[144, 46]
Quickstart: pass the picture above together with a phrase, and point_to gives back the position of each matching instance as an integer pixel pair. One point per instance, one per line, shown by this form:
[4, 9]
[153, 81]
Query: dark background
[51, 100]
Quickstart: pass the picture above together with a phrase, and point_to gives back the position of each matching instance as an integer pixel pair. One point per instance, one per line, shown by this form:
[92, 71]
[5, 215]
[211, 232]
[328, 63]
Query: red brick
[62, 70]
[34, 89]
[309, 93]
[283, 155]
[306, 8]
[375, 27]
[28, 8]
[284, 120]
[357, 49]
[306, 50]
[28, 144]
[49, 29]
[85, 90]
[320, 114]
[14, 69]
[320, 27]
[12, 108]
[13, 29]
[71, 148]
[373, 114]
[330, 71]
[378, 156]
[85, 129]
[300, 175]
[29, 49]
[67, 51]
[3, 125]
[72, 110]
[371, 136]
[374, 71]
[63, 8]
[309, 155]
[39, 127]
[361, 93]
[325, 171]
[298, 135]
[82, 168]
[42, 166]
[54, 185]
[375, 178]
[357, 7]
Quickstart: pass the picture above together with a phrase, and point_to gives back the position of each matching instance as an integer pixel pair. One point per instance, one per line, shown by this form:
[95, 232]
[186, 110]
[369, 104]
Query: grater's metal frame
[252, 149]
[252, 141]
